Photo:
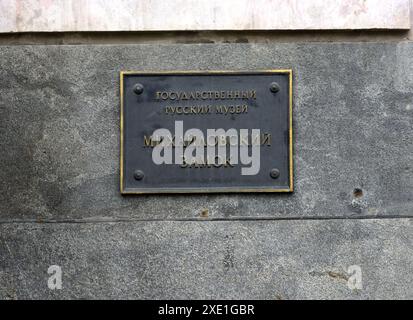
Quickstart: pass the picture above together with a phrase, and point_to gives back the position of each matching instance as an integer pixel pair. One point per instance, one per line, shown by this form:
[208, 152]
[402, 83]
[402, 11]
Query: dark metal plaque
[170, 117]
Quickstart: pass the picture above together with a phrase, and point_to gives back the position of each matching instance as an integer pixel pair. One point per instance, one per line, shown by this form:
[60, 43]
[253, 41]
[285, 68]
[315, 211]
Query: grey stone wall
[59, 180]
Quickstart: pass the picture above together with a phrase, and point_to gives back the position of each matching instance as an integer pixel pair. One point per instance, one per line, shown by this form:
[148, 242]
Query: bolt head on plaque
[138, 175]
[274, 173]
[138, 88]
[274, 87]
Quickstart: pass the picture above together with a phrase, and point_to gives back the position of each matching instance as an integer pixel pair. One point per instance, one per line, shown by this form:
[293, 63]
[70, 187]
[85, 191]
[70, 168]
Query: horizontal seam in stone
[73, 221]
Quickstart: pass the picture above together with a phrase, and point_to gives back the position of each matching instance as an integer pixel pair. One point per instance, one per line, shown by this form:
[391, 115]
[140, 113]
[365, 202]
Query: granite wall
[352, 205]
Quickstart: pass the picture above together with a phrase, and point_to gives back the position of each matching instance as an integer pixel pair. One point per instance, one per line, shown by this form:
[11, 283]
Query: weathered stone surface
[159, 15]
[59, 123]
[204, 260]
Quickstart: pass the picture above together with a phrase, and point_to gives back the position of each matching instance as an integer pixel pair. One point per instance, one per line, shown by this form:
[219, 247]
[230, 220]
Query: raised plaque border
[208, 190]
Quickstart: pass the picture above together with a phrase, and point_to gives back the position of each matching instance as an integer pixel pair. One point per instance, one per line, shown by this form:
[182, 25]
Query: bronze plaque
[210, 131]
